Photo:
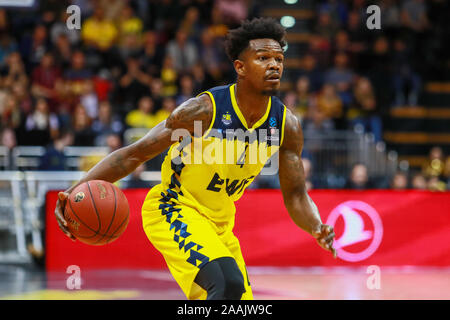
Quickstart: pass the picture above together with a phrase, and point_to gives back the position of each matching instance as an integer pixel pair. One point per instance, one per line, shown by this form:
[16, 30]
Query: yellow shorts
[187, 240]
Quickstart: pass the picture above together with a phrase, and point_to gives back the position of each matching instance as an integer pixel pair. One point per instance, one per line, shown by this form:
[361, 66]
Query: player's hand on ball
[59, 214]
[325, 237]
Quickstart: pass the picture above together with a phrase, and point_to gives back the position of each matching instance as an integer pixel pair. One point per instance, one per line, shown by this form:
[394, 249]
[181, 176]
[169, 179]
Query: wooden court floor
[267, 283]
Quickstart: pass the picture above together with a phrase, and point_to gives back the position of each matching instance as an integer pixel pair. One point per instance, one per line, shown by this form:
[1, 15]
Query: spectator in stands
[54, 158]
[113, 142]
[151, 54]
[89, 99]
[14, 71]
[183, 52]
[320, 48]
[11, 116]
[316, 122]
[342, 44]
[133, 85]
[434, 166]
[130, 29]
[165, 15]
[47, 10]
[404, 75]
[232, 11]
[290, 101]
[41, 126]
[447, 171]
[359, 6]
[436, 184]
[74, 79]
[106, 123]
[419, 182]
[4, 20]
[304, 96]
[62, 51]
[357, 31]
[379, 69]
[83, 134]
[157, 93]
[168, 105]
[8, 139]
[103, 83]
[359, 178]
[192, 24]
[363, 110]
[326, 26]
[390, 14]
[44, 80]
[186, 88]
[329, 103]
[129, 23]
[33, 48]
[142, 117]
[414, 15]
[87, 161]
[169, 76]
[337, 10]
[202, 79]
[218, 27]
[113, 8]
[99, 35]
[60, 28]
[341, 76]
[399, 181]
[311, 71]
[210, 54]
[8, 45]
[23, 97]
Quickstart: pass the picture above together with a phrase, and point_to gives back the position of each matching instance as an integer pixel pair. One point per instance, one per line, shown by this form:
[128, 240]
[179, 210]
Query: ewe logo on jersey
[226, 119]
[231, 187]
[358, 228]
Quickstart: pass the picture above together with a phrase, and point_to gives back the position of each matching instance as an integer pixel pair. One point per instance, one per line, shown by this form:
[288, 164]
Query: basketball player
[189, 217]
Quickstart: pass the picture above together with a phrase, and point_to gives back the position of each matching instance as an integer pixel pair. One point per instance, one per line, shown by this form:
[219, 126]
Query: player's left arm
[300, 206]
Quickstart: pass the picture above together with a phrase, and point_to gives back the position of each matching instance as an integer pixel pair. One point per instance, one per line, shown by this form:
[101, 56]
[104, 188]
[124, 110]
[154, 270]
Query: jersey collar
[241, 116]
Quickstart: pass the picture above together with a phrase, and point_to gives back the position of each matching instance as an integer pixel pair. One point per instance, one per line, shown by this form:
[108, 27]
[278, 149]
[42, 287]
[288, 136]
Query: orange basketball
[97, 212]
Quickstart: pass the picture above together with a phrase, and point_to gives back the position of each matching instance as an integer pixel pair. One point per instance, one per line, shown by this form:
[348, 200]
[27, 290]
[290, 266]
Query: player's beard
[270, 92]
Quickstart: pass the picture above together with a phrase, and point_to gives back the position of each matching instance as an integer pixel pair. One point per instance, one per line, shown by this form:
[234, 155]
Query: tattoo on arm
[194, 109]
[117, 163]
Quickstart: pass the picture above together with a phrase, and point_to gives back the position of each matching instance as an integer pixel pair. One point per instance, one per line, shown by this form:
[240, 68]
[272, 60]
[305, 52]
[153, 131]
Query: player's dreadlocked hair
[258, 28]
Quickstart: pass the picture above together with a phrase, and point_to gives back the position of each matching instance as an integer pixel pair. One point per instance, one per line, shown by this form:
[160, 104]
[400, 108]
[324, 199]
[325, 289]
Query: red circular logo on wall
[358, 230]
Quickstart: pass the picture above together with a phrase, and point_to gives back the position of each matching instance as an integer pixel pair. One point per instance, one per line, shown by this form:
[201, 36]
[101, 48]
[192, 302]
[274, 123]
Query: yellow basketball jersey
[211, 172]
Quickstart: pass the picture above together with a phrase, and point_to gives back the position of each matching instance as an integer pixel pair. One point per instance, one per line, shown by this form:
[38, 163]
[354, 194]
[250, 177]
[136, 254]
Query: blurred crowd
[133, 61]
[433, 176]
[129, 66]
[352, 76]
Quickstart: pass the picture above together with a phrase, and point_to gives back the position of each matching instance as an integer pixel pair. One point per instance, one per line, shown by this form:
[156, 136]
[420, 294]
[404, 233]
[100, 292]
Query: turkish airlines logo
[358, 229]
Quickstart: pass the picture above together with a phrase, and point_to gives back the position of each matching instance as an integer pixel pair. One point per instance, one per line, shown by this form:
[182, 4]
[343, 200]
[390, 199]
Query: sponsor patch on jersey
[226, 119]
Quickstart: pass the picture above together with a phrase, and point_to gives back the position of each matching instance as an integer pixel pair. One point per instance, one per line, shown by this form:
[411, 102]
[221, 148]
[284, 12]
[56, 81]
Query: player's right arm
[124, 161]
